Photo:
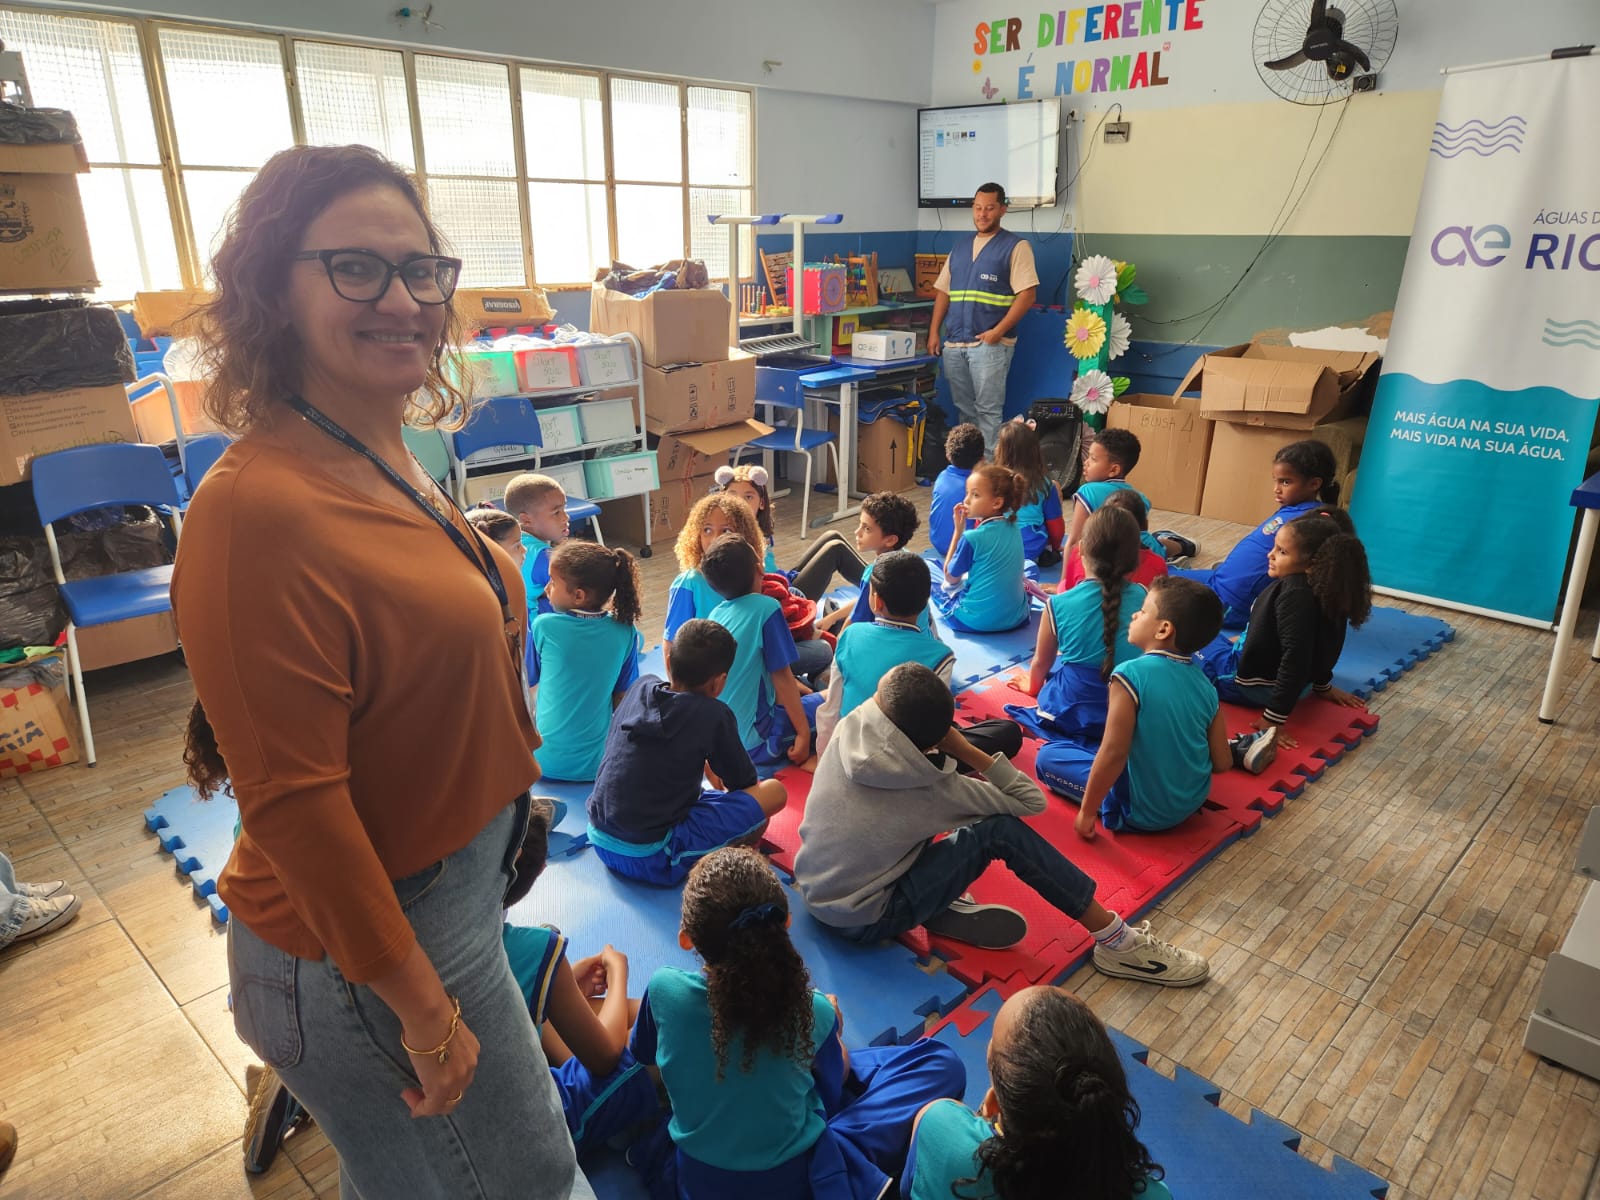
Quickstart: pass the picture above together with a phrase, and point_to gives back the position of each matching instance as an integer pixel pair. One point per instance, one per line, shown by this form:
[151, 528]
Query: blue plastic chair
[201, 453]
[501, 421]
[69, 482]
[795, 438]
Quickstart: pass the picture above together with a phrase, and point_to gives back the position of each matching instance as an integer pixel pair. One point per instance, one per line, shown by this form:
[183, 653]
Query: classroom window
[718, 136]
[564, 151]
[352, 94]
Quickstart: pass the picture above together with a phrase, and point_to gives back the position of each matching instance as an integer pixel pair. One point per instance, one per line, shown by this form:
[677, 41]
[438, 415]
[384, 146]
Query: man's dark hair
[963, 446]
[993, 189]
[1122, 448]
[901, 580]
[917, 703]
[893, 514]
[701, 650]
[730, 566]
[1193, 610]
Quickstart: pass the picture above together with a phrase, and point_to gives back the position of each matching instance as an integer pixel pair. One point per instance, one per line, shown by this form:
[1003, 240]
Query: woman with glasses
[357, 651]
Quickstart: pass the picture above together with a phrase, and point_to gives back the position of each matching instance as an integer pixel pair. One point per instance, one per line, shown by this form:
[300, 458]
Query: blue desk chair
[201, 453]
[501, 421]
[790, 436]
[69, 482]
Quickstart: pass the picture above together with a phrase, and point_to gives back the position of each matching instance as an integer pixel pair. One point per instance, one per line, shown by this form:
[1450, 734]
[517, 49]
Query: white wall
[829, 154]
[879, 49]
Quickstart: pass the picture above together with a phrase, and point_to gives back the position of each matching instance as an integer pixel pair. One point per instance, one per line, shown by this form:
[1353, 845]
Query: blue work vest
[980, 289]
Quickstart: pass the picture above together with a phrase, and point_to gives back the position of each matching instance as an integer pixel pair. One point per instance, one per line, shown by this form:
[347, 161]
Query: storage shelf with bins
[568, 455]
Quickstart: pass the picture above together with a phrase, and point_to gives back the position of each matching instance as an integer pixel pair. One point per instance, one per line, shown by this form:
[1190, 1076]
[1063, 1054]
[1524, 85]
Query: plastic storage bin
[559, 428]
[621, 475]
[605, 363]
[547, 368]
[487, 373]
[570, 476]
[607, 420]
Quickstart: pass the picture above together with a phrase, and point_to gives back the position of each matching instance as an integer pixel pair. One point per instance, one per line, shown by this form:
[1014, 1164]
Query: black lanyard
[484, 562]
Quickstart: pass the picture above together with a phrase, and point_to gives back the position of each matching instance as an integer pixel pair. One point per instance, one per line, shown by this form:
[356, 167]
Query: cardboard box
[44, 240]
[169, 314]
[1238, 483]
[1174, 447]
[624, 521]
[692, 453]
[685, 462]
[152, 412]
[42, 422]
[884, 344]
[687, 325]
[1281, 387]
[700, 395]
[127, 641]
[882, 450]
[502, 308]
[36, 727]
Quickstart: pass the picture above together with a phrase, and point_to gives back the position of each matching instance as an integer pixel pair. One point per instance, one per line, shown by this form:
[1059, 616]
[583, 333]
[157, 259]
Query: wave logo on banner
[1486, 408]
[1478, 137]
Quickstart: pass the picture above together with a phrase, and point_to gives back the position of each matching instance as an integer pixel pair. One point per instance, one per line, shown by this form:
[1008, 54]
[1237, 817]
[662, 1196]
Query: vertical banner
[1491, 384]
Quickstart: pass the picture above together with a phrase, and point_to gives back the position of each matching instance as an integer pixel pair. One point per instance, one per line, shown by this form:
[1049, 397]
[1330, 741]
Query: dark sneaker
[1255, 751]
[1182, 547]
[1152, 960]
[987, 926]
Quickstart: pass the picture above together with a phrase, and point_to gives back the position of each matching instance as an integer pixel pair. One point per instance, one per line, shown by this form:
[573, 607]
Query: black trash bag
[52, 345]
[21, 126]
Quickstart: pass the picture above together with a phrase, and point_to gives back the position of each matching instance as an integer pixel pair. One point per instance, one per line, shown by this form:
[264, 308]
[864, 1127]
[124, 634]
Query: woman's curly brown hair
[735, 913]
[251, 354]
[738, 514]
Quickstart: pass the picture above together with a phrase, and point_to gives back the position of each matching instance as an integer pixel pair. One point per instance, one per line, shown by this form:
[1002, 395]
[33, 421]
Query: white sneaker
[1152, 960]
[41, 891]
[47, 916]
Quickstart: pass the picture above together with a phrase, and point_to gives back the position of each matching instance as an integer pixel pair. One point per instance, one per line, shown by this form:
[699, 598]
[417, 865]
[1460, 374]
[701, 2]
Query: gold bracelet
[442, 1050]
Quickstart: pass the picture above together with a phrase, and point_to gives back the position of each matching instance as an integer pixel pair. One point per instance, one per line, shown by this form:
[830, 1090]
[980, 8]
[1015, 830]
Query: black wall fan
[1314, 52]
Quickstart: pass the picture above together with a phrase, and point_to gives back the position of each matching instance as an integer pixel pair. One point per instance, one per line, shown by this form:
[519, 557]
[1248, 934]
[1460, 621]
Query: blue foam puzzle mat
[1207, 1153]
[1386, 647]
[611, 1177]
[884, 992]
[199, 836]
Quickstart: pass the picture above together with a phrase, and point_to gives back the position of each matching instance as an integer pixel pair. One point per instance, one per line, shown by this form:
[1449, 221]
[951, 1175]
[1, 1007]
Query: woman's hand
[442, 1083]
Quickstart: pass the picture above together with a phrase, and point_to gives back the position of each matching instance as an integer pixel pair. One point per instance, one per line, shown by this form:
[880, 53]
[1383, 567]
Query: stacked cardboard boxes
[699, 398]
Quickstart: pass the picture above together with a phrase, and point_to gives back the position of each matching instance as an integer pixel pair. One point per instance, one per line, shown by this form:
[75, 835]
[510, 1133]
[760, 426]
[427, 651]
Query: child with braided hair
[1057, 1120]
[765, 1099]
[583, 655]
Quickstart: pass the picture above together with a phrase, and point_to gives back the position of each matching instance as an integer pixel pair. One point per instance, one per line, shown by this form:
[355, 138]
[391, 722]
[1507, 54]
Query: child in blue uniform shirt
[748, 482]
[1164, 734]
[1057, 1115]
[985, 563]
[540, 506]
[963, 448]
[651, 815]
[766, 1101]
[1107, 463]
[1302, 483]
[1039, 518]
[1084, 634]
[581, 657]
[603, 1091]
[690, 596]
[761, 689]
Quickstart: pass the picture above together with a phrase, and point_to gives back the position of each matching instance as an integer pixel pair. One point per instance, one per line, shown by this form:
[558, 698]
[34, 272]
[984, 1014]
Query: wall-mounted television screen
[1014, 145]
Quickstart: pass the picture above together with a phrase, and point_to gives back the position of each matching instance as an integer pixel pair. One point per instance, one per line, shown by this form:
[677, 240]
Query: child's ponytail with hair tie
[627, 604]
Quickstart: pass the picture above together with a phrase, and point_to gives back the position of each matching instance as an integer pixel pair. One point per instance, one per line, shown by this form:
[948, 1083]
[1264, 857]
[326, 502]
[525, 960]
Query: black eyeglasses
[362, 276]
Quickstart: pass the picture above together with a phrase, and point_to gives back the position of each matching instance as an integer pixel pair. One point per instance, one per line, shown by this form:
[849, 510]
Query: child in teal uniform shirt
[1164, 734]
[985, 563]
[540, 506]
[1039, 517]
[581, 657]
[1107, 463]
[1057, 1120]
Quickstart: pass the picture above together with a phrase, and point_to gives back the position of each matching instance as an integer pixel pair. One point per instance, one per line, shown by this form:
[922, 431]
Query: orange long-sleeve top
[354, 666]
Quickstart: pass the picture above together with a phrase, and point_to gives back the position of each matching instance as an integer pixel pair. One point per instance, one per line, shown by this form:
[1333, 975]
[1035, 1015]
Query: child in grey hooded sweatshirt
[888, 784]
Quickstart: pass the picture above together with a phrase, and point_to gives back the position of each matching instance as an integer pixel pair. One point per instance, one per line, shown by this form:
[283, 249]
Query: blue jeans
[337, 1046]
[977, 378]
[946, 868]
[13, 905]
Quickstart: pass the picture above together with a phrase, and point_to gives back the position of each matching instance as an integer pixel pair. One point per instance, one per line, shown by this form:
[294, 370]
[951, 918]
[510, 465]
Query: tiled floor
[1375, 949]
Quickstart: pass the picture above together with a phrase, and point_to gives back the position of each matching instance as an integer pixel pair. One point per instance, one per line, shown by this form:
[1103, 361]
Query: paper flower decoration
[1086, 333]
[1093, 392]
[1121, 334]
[1096, 279]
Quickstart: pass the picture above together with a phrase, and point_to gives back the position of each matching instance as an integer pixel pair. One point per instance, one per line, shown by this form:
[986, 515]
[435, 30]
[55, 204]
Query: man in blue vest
[983, 289]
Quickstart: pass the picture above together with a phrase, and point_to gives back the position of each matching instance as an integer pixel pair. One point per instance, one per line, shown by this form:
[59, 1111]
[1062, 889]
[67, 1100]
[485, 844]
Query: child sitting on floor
[887, 786]
[1111, 457]
[1302, 484]
[985, 564]
[1057, 1120]
[651, 817]
[540, 506]
[748, 482]
[766, 1101]
[963, 448]
[1084, 634]
[1164, 732]
[761, 689]
[581, 1010]
[1039, 518]
[1151, 564]
[1320, 587]
[887, 522]
[581, 657]
[500, 528]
